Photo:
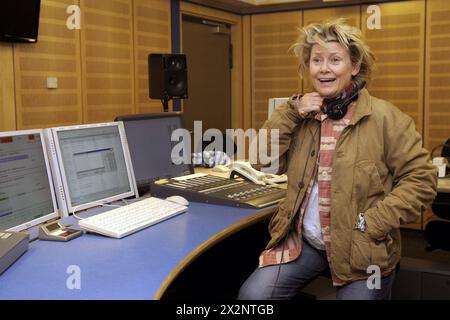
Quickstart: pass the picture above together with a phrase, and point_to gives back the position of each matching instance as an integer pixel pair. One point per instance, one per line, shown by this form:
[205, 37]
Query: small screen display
[53, 226]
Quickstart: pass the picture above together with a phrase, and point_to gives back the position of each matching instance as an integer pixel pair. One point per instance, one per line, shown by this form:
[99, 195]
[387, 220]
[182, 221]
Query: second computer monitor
[27, 196]
[94, 165]
[150, 142]
[273, 104]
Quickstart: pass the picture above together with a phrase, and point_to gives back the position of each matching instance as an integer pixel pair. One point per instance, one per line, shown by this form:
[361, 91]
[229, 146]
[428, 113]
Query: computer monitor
[273, 104]
[149, 140]
[94, 165]
[27, 196]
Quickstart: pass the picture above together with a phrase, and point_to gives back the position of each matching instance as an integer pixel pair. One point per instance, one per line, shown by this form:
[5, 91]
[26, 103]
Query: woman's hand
[309, 102]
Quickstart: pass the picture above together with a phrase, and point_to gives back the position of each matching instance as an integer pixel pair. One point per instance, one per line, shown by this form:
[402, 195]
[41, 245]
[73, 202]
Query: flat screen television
[19, 20]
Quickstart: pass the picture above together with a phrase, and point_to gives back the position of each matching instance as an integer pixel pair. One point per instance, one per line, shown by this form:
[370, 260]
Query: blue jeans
[284, 281]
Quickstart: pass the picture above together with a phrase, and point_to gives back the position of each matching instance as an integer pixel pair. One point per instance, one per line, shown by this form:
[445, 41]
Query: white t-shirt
[312, 230]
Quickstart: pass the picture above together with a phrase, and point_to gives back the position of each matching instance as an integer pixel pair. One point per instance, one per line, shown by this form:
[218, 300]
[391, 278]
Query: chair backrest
[446, 150]
[437, 234]
[441, 205]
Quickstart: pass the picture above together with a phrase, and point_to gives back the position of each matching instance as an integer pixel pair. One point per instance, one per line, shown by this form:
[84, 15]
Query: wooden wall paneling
[437, 79]
[237, 106]
[247, 72]
[7, 101]
[351, 15]
[237, 85]
[107, 59]
[399, 49]
[56, 54]
[152, 34]
[274, 69]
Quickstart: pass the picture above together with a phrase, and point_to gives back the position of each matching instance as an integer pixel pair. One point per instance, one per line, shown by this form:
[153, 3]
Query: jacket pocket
[380, 255]
[365, 252]
[368, 188]
[360, 250]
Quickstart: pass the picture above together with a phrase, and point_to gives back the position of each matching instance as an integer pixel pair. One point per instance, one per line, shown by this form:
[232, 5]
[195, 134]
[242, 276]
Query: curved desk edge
[259, 216]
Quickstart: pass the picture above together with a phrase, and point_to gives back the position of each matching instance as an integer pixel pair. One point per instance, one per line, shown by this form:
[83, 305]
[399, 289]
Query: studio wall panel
[107, 58]
[7, 99]
[437, 80]
[399, 48]
[56, 54]
[274, 69]
[151, 35]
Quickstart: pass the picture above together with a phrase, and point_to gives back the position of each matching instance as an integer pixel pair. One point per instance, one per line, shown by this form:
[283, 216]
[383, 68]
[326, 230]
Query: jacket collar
[363, 107]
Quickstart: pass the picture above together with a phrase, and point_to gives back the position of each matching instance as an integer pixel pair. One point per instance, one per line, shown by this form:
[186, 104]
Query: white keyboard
[122, 221]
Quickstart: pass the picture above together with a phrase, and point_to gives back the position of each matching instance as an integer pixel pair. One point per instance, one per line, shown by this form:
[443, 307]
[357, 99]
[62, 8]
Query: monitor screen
[19, 20]
[275, 103]
[27, 195]
[95, 164]
[149, 139]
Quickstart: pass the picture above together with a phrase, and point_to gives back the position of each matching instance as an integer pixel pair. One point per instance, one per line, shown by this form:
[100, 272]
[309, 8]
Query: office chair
[445, 149]
[437, 233]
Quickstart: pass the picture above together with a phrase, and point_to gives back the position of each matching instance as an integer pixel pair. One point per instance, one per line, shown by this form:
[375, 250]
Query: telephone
[58, 232]
[245, 170]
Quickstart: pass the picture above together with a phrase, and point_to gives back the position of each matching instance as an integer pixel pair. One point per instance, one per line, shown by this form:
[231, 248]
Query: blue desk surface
[135, 267]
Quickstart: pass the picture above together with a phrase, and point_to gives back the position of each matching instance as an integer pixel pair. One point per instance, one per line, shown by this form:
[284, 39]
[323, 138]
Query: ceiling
[259, 6]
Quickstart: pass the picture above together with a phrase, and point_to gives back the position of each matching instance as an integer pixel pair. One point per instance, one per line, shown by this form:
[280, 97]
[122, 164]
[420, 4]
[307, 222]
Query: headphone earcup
[337, 109]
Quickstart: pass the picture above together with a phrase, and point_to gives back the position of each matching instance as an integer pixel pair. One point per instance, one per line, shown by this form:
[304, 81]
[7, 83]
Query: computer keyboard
[122, 221]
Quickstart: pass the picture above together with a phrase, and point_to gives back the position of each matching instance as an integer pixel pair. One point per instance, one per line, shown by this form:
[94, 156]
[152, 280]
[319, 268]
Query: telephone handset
[245, 170]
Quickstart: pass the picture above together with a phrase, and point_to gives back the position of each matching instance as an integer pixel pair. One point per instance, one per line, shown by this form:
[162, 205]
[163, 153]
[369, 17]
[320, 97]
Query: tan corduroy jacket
[379, 169]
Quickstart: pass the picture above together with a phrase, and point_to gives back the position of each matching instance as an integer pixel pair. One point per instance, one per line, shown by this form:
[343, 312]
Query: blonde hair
[335, 30]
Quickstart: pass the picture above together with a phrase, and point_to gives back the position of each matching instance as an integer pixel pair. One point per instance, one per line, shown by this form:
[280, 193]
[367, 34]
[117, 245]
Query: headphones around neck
[337, 108]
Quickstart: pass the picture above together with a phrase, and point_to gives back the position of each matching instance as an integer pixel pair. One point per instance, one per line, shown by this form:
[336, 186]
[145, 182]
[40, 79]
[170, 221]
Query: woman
[356, 169]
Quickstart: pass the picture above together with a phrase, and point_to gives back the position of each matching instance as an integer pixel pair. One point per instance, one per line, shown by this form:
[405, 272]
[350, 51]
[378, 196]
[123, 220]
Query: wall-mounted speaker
[167, 76]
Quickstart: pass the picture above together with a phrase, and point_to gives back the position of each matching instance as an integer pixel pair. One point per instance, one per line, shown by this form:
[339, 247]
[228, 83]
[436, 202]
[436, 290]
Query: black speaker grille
[167, 76]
